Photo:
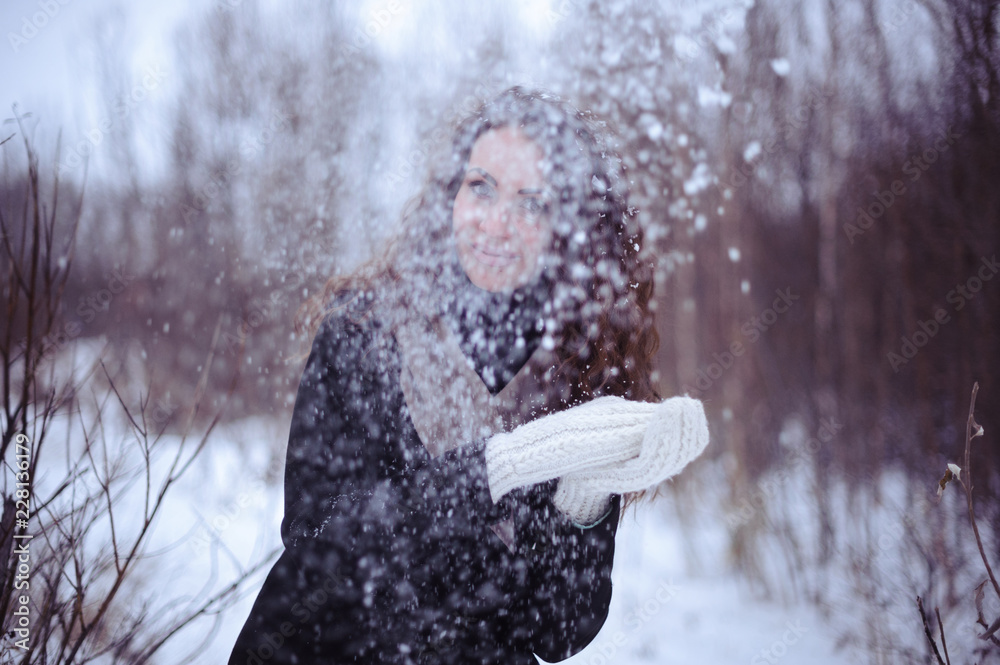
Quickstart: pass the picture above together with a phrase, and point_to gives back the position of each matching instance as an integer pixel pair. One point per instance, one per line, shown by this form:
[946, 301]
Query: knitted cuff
[585, 507]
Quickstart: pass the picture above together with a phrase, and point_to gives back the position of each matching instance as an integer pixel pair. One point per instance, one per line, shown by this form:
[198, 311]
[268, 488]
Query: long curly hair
[599, 280]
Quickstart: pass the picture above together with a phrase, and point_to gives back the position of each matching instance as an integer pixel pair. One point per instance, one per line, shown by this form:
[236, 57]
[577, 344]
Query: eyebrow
[530, 192]
[486, 176]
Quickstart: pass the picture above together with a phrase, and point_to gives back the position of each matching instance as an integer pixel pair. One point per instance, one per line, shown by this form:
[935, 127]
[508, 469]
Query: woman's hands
[606, 446]
[675, 435]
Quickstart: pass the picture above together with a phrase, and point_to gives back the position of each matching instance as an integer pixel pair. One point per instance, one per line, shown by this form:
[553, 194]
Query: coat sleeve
[567, 602]
[332, 463]
[335, 463]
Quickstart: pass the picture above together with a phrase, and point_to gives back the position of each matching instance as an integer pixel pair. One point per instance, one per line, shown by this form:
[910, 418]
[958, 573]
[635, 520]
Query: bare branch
[927, 631]
[971, 431]
[944, 644]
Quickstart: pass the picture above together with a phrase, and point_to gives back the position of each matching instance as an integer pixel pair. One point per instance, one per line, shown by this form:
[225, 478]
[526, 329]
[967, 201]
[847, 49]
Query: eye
[481, 189]
[533, 209]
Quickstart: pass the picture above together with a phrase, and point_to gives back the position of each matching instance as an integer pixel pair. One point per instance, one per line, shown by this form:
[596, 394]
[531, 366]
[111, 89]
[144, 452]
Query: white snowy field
[666, 610]
[674, 599]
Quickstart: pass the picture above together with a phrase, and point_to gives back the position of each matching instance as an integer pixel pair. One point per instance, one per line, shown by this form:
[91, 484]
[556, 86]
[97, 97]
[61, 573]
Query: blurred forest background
[818, 182]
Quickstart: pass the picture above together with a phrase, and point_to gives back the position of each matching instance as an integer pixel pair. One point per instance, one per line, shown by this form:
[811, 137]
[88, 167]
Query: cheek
[458, 222]
[535, 241]
[461, 215]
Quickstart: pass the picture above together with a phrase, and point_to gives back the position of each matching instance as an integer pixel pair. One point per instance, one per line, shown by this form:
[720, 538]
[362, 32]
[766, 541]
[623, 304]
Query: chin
[489, 278]
[495, 285]
[491, 281]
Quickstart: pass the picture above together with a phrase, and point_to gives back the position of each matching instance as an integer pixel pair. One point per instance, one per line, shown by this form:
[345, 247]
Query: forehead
[510, 156]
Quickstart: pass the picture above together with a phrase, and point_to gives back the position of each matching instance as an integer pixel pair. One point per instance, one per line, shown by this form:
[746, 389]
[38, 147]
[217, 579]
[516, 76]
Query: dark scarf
[498, 332]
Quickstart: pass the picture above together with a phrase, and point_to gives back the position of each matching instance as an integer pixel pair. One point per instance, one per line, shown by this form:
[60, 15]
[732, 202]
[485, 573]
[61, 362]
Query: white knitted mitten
[603, 431]
[676, 434]
[608, 441]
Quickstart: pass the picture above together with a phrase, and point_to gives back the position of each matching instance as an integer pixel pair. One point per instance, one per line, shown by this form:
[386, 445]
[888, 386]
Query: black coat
[389, 552]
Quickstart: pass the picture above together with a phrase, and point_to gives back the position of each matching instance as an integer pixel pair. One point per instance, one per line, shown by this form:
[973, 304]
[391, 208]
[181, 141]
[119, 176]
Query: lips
[492, 256]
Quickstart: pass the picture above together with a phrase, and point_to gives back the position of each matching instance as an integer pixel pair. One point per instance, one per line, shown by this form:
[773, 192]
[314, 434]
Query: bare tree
[80, 499]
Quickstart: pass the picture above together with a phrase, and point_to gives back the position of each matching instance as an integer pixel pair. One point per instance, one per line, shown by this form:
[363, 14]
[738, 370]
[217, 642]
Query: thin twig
[944, 644]
[927, 631]
[206, 607]
[971, 430]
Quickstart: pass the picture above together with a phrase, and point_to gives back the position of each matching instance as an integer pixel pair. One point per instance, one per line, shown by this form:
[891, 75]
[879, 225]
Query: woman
[472, 409]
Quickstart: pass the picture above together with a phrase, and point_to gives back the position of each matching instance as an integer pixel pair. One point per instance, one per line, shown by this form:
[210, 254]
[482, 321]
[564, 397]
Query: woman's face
[501, 214]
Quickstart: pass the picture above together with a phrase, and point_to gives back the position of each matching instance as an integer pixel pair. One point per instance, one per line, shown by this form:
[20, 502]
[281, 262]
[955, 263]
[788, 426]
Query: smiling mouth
[492, 257]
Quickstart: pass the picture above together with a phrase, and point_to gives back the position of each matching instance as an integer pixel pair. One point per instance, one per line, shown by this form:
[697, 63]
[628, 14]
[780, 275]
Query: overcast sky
[51, 49]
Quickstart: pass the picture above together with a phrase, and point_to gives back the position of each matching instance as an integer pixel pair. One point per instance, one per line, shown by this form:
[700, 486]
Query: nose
[497, 220]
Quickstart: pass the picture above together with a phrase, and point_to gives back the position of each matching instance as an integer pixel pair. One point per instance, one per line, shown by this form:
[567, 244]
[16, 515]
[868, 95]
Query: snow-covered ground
[664, 611]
